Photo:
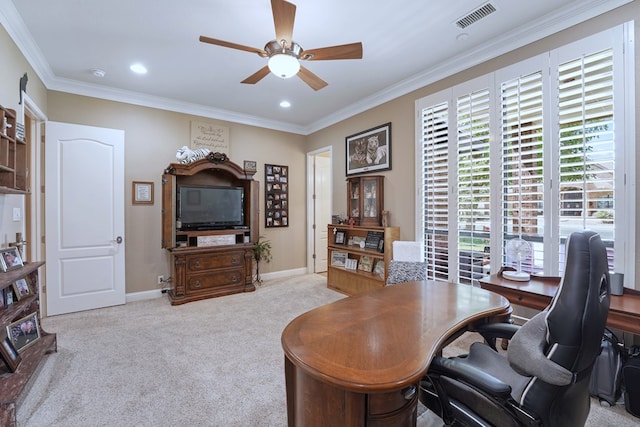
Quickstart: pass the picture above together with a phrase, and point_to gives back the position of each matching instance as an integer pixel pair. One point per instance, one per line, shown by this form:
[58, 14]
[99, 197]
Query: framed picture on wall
[369, 150]
[142, 193]
[276, 195]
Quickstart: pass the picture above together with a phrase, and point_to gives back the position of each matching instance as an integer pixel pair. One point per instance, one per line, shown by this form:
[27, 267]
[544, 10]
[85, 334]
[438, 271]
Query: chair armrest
[461, 371]
[492, 331]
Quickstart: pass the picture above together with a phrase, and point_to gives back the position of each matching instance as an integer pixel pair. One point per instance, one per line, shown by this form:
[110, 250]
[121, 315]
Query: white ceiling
[406, 45]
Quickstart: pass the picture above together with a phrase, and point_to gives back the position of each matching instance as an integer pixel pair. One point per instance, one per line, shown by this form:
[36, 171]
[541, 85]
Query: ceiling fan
[285, 54]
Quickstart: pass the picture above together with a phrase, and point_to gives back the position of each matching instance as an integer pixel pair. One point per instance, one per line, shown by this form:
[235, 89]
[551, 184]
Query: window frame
[618, 40]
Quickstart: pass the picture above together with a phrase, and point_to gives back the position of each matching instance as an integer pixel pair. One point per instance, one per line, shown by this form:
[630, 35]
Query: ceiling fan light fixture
[284, 65]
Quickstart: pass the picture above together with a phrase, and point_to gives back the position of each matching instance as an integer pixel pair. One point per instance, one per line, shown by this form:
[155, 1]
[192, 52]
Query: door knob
[119, 239]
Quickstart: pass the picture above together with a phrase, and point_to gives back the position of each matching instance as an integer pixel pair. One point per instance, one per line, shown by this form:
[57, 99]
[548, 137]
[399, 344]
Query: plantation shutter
[522, 166]
[435, 146]
[586, 147]
[473, 184]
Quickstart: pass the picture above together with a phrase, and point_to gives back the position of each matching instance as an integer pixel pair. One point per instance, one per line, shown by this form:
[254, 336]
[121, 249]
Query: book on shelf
[379, 268]
[366, 263]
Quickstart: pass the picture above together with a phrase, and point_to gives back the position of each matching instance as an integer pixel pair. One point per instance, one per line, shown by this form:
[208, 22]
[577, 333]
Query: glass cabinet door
[354, 199]
[370, 202]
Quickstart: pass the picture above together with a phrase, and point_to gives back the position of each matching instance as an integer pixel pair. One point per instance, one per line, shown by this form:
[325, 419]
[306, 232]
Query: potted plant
[261, 252]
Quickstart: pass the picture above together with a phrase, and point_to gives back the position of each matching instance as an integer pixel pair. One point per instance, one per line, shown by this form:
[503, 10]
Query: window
[537, 160]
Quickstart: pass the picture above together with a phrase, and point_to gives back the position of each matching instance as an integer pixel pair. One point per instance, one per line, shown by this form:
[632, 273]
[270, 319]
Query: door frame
[34, 223]
[311, 235]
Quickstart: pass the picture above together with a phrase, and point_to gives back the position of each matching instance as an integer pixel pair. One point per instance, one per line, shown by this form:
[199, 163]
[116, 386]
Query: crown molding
[579, 11]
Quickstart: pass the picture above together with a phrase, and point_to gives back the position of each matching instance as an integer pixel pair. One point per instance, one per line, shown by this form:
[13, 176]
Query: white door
[322, 209]
[84, 203]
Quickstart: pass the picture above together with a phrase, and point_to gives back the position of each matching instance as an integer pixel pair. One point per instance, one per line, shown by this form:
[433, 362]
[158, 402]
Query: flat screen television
[210, 207]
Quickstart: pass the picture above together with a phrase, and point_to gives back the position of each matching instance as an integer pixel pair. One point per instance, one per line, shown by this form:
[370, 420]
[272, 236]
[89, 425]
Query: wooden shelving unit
[355, 281]
[12, 385]
[13, 155]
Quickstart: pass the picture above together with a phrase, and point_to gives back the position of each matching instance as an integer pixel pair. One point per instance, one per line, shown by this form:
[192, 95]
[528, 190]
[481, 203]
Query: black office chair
[544, 377]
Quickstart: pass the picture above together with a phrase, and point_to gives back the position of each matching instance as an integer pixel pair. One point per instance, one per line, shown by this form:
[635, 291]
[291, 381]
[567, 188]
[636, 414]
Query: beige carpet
[216, 362]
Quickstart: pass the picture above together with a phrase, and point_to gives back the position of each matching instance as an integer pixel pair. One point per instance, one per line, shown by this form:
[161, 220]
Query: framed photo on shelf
[276, 195]
[338, 259]
[142, 193]
[340, 237]
[351, 264]
[369, 150]
[24, 332]
[21, 288]
[10, 259]
[9, 354]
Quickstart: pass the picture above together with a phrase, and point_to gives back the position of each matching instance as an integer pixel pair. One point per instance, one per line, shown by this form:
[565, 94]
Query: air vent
[481, 12]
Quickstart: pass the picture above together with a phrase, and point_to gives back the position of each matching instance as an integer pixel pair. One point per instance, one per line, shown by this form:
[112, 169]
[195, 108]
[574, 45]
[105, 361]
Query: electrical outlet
[160, 280]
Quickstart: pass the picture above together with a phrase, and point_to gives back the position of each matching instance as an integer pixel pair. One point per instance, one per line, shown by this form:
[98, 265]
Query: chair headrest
[577, 314]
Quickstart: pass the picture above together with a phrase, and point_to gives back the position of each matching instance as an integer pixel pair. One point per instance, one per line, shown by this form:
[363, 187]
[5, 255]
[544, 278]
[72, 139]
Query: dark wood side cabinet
[13, 385]
[209, 263]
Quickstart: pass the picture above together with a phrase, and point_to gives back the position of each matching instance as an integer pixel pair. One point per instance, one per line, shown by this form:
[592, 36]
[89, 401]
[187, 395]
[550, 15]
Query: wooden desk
[358, 361]
[624, 311]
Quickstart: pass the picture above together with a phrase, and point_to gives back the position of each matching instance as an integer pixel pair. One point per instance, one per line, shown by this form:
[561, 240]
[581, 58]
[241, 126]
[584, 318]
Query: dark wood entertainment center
[208, 263]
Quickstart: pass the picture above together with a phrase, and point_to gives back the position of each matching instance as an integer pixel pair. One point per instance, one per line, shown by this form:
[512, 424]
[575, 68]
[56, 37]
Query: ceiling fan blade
[311, 79]
[257, 76]
[284, 15]
[233, 45]
[344, 51]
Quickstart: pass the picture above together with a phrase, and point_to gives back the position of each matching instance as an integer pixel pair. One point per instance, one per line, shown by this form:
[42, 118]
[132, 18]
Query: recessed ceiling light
[285, 104]
[138, 69]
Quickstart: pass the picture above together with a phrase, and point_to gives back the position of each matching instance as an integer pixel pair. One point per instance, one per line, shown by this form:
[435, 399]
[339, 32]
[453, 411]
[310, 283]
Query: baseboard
[157, 293]
[283, 273]
[144, 295]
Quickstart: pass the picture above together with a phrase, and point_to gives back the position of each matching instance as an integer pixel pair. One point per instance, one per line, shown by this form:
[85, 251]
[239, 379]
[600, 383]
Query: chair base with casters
[543, 379]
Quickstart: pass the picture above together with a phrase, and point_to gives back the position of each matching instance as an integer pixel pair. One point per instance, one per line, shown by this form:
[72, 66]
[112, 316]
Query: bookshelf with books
[359, 257]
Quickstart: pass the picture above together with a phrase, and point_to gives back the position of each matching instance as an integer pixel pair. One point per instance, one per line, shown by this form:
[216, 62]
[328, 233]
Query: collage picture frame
[276, 196]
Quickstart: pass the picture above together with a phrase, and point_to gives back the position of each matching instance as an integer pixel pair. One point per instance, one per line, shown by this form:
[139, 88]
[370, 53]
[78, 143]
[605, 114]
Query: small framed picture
[250, 166]
[8, 296]
[351, 264]
[9, 354]
[340, 237]
[10, 259]
[24, 332]
[338, 258]
[142, 193]
[21, 288]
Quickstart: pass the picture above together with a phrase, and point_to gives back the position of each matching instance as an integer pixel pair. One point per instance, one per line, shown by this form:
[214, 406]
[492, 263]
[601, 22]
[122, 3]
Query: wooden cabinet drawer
[200, 282]
[384, 404]
[213, 261]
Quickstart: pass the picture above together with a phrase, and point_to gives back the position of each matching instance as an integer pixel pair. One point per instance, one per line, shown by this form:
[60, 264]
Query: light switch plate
[17, 215]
